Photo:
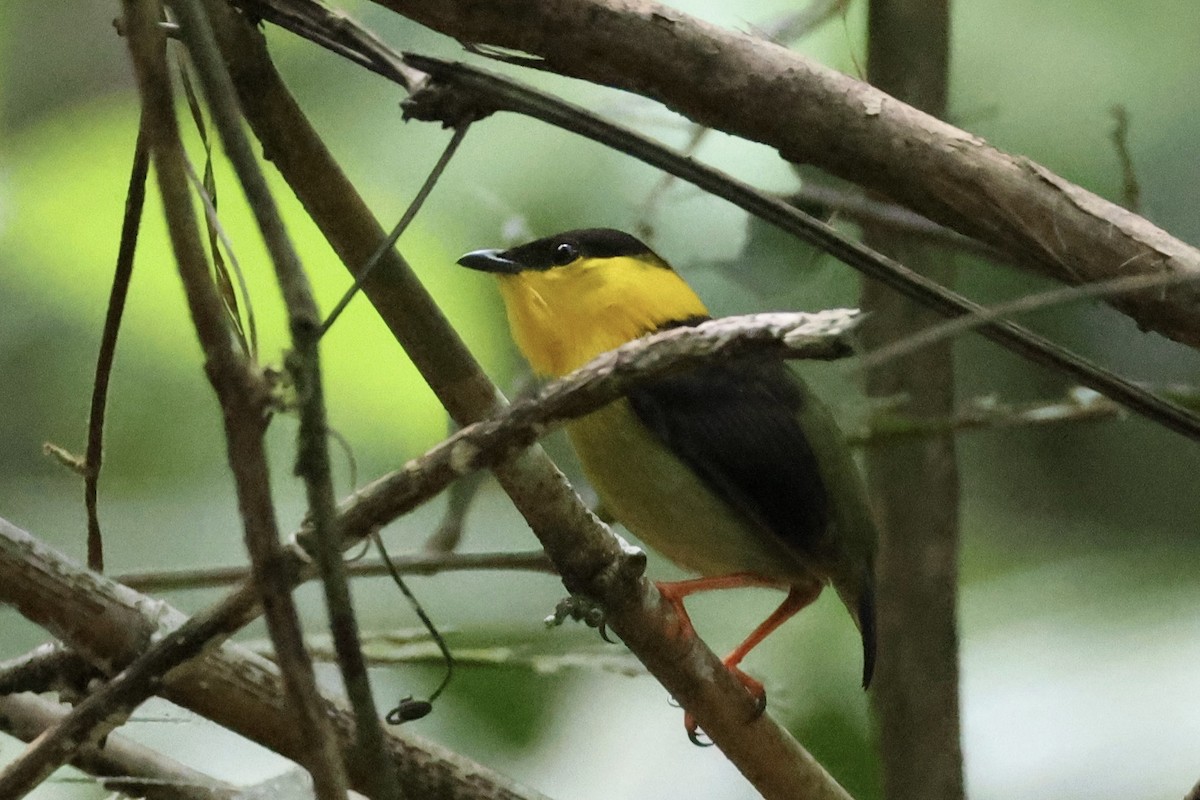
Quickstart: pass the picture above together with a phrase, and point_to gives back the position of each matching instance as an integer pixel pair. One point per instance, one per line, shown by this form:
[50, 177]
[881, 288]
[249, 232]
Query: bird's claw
[752, 686]
[581, 609]
[694, 734]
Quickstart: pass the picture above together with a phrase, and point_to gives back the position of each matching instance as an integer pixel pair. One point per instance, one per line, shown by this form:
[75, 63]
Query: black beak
[490, 261]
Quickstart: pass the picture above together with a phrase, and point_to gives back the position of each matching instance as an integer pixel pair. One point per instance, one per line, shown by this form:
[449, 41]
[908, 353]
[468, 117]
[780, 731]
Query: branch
[916, 690]
[1080, 405]
[135, 198]
[811, 114]
[224, 683]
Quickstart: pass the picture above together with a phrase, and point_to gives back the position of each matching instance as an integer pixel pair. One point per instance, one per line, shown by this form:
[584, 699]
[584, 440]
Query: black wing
[736, 426]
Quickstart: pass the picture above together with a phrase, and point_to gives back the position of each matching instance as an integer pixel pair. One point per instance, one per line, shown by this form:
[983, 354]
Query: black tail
[866, 625]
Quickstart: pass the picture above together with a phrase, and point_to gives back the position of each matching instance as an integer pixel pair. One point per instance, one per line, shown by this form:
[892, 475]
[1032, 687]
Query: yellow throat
[562, 318]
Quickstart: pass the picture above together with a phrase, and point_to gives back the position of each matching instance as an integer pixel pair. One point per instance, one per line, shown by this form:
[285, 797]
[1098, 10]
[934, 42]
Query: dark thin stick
[243, 398]
[495, 93]
[135, 200]
[414, 564]
[460, 132]
[312, 463]
[820, 200]
[404, 712]
[1033, 302]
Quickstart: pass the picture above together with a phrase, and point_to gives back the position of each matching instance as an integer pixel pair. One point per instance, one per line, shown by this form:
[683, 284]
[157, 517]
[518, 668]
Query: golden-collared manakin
[732, 470]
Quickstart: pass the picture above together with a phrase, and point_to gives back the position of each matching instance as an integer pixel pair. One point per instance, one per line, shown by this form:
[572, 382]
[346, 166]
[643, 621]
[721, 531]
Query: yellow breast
[562, 318]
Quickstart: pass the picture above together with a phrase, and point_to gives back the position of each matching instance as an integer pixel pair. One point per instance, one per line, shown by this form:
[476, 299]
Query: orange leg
[674, 592]
[797, 598]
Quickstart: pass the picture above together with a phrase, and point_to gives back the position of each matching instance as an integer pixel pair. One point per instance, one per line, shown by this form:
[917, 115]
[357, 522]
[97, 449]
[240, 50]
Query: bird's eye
[565, 253]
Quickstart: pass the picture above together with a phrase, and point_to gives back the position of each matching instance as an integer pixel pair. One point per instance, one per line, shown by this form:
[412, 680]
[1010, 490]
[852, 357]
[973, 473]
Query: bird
[733, 470]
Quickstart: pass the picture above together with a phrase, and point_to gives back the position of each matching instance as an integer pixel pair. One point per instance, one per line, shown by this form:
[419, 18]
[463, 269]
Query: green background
[1080, 624]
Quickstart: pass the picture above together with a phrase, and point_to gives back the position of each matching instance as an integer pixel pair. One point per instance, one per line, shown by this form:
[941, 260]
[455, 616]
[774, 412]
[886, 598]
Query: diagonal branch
[459, 89]
[811, 114]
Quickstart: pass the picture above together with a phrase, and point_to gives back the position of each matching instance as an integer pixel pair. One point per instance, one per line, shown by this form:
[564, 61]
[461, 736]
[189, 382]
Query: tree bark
[914, 484]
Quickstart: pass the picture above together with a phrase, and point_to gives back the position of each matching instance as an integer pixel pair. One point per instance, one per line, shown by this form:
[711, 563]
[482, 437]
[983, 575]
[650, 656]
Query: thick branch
[916, 689]
[760, 91]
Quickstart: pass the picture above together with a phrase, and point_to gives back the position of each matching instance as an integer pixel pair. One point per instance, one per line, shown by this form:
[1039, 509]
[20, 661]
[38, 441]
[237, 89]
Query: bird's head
[577, 294]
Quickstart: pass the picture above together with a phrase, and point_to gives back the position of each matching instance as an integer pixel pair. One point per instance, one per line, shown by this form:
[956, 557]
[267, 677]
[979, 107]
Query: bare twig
[944, 331]
[1131, 190]
[410, 213]
[821, 200]
[430, 563]
[1080, 405]
[135, 198]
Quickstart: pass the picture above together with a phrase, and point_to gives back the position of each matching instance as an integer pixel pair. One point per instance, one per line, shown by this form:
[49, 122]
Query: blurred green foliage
[1090, 527]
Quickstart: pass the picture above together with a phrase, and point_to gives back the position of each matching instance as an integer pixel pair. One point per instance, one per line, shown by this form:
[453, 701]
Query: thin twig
[820, 201]
[1131, 190]
[410, 213]
[1080, 405]
[428, 563]
[949, 329]
[135, 199]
